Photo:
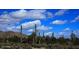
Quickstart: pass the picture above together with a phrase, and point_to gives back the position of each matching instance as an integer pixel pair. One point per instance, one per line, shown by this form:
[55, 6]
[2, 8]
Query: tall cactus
[39, 37]
[43, 35]
[52, 35]
[34, 34]
[21, 34]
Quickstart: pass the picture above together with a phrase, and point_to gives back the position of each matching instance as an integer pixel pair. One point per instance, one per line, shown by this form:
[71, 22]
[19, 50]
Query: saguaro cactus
[43, 35]
[34, 34]
[21, 34]
[39, 37]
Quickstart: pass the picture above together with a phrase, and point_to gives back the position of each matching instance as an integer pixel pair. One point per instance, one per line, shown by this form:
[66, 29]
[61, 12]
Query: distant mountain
[9, 34]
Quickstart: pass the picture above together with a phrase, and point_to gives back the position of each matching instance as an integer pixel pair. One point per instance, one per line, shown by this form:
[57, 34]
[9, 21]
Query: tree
[62, 40]
[73, 36]
[53, 39]
[74, 39]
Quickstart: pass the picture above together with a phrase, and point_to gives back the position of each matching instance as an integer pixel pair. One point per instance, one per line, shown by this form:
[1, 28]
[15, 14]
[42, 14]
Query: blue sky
[59, 21]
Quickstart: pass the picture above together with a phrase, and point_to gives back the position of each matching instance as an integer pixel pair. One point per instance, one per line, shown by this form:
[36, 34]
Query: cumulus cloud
[30, 30]
[59, 22]
[66, 29]
[30, 24]
[31, 14]
[4, 18]
[7, 19]
[28, 14]
[48, 33]
[61, 12]
[19, 14]
[50, 15]
[37, 14]
[11, 28]
[64, 34]
[42, 27]
[76, 19]
[77, 32]
[61, 33]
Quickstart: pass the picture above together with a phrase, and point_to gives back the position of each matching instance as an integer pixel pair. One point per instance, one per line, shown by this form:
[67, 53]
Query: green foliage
[34, 41]
[13, 39]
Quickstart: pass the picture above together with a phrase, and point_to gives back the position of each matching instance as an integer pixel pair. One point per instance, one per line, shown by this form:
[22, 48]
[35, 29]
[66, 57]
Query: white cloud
[64, 34]
[16, 16]
[37, 14]
[59, 22]
[48, 33]
[73, 21]
[30, 30]
[19, 14]
[77, 33]
[61, 12]
[61, 33]
[11, 28]
[31, 14]
[30, 24]
[4, 21]
[50, 15]
[66, 29]
[76, 19]
[4, 18]
[42, 27]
